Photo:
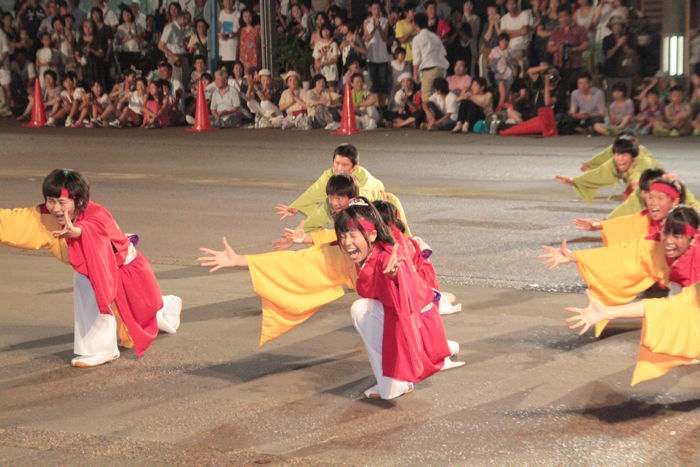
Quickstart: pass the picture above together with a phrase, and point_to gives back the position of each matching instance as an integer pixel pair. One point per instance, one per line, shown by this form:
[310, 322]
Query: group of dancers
[354, 235]
[649, 266]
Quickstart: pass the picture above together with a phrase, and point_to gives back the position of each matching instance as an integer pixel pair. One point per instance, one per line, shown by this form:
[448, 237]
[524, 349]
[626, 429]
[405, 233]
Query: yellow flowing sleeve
[292, 285]
[670, 334]
[625, 229]
[616, 275]
[323, 236]
[29, 229]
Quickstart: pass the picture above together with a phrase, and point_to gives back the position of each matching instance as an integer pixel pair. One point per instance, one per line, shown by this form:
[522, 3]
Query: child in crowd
[678, 115]
[501, 64]
[71, 100]
[620, 113]
[130, 107]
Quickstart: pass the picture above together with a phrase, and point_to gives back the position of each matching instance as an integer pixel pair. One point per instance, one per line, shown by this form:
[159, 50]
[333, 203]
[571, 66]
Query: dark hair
[45, 34]
[357, 75]
[619, 87]
[241, 23]
[99, 13]
[421, 20]
[207, 76]
[564, 8]
[390, 215]
[653, 91]
[648, 176]
[678, 218]
[143, 80]
[52, 74]
[481, 81]
[77, 186]
[626, 144]
[129, 12]
[428, 3]
[198, 57]
[349, 151]
[675, 184]
[348, 219]
[57, 19]
[200, 20]
[71, 75]
[675, 88]
[441, 86]
[342, 185]
[503, 37]
[585, 75]
[318, 77]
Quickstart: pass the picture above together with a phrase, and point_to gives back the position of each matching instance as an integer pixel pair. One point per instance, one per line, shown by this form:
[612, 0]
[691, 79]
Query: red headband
[690, 230]
[64, 193]
[367, 226]
[665, 188]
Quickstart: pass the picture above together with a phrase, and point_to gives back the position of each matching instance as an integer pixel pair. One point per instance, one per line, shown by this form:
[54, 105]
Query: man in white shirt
[172, 43]
[429, 58]
[225, 104]
[516, 24]
[375, 35]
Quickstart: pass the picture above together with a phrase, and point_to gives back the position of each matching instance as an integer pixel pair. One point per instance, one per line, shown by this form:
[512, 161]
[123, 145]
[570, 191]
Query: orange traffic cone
[38, 113]
[544, 124]
[201, 113]
[347, 121]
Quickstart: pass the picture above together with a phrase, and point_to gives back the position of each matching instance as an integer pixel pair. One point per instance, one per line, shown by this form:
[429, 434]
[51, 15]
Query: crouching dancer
[116, 294]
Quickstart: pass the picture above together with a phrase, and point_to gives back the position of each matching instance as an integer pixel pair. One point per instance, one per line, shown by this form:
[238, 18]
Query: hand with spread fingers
[564, 180]
[226, 258]
[554, 257]
[69, 230]
[585, 318]
[587, 225]
[285, 211]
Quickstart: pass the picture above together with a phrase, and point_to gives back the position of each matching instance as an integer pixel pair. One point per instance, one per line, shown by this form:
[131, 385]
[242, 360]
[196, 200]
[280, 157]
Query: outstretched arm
[226, 258]
[596, 312]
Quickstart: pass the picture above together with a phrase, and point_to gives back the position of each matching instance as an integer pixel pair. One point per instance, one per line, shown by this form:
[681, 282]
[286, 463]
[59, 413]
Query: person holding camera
[567, 44]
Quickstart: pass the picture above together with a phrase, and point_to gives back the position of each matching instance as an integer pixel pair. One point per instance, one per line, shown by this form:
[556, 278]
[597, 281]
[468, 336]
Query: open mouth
[353, 253]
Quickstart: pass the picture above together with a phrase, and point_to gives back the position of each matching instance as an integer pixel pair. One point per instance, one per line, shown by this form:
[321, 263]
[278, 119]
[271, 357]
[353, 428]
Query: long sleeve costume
[606, 174]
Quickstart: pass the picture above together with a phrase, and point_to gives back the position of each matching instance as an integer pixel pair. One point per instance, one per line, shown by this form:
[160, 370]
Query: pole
[266, 19]
[212, 10]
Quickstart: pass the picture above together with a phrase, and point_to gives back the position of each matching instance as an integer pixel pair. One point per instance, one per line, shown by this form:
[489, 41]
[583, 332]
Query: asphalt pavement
[530, 393]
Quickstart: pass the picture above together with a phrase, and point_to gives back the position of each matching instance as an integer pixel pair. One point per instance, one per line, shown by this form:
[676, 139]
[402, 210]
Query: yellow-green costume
[607, 154]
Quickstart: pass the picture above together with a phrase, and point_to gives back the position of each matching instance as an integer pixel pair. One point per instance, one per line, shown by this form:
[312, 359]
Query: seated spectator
[101, 108]
[200, 67]
[502, 65]
[225, 104]
[442, 107]
[191, 106]
[460, 82]
[292, 102]
[586, 109]
[123, 88]
[71, 98]
[407, 110]
[156, 112]
[678, 115]
[474, 105]
[399, 66]
[365, 104]
[323, 105]
[261, 98]
[130, 106]
[325, 56]
[51, 93]
[521, 104]
[651, 111]
[620, 113]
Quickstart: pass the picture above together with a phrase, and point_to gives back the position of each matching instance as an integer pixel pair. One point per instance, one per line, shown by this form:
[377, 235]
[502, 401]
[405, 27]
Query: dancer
[607, 154]
[616, 275]
[345, 160]
[396, 299]
[626, 166]
[663, 195]
[670, 329]
[115, 290]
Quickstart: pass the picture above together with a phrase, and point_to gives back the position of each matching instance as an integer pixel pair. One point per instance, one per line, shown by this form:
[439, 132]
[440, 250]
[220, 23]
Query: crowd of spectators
[453, 65]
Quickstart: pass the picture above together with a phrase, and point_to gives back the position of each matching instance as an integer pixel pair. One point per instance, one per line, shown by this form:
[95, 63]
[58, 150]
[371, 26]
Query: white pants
[95, 332]
[368, 318]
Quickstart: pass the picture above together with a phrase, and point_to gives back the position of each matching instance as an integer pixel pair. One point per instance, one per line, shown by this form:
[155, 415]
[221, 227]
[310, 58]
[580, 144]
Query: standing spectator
[619, 56]
[103, 38]
[110, 18]
[139, 16]
[249, 53]
[407, 111]
[229, 25]
[351, 50]
[5, 77]
[405, 30]
[172, 44]
[490, 37]
[605, 10]
[516, 24]
[458, 47]
[46, 24]
[89, 52]
[435, 24]
[129, 41]
[199, 40]
[76, 13]
[474, 22]
[567, 44]
[376, 36]
[587, 107]
[474, 105]
[325, 56]
[678, 115]
[501, 63]
[429, 58]
[442, 107]
[47, 58]
[64, 40]
[31, 14]
[225, 104]
[620, 113]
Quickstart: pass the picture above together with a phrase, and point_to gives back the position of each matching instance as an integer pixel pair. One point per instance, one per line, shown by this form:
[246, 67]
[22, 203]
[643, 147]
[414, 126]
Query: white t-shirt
[136, 103]
[127, 36]
[77, 95]
[4, 49]
[104, 100]
[508, 22]
[45, 55]
[376, 47]
[448, 104]
[228, 48]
